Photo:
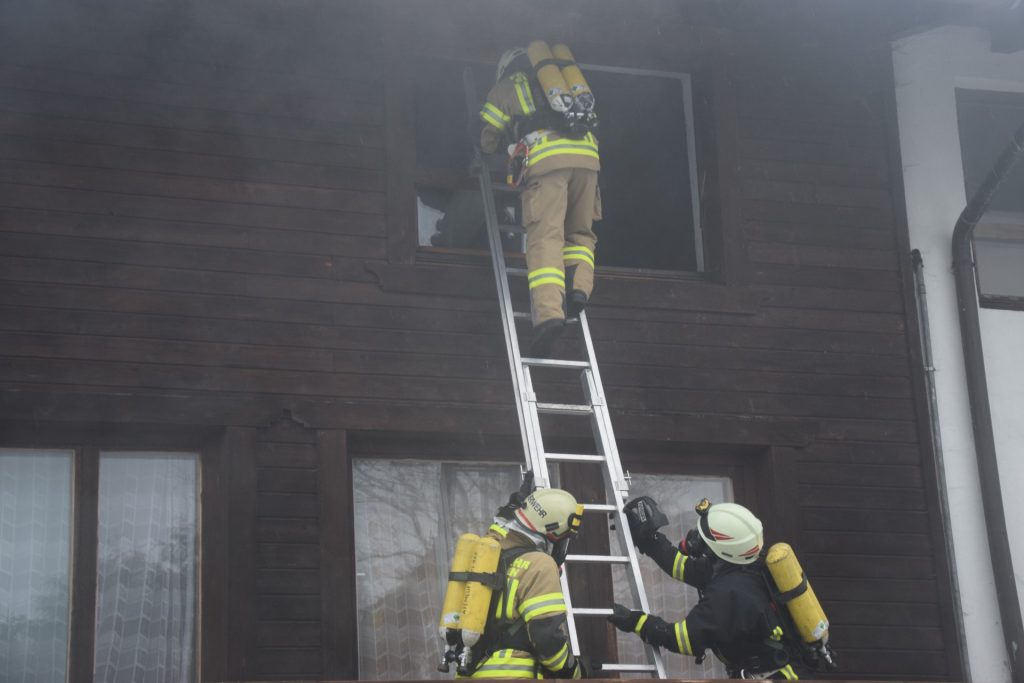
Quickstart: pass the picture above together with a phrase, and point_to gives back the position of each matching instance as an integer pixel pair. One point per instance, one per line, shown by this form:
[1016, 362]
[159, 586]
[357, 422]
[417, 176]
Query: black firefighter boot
[576, 299]
[544, 337]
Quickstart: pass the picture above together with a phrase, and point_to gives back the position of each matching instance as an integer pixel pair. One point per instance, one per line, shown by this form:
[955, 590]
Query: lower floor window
[145, 575]
[35, 564]
[408, 516]
[146, 568]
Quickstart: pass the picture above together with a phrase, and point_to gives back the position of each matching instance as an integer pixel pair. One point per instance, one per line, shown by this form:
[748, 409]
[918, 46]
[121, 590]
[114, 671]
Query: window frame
[714, 155]
[85, 445]
[448, 179]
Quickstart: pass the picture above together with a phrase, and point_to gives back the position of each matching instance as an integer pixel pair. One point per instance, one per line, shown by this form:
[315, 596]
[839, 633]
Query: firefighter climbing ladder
[529, 409]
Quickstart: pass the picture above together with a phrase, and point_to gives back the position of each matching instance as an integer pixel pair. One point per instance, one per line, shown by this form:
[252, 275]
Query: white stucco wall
[928, 67]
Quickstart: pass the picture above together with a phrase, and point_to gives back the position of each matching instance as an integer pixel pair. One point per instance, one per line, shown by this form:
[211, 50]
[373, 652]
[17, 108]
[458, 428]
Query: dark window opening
[647, 159]
[987, 121]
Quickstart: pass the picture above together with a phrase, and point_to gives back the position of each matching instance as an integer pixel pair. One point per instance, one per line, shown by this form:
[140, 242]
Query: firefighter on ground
[526, 630]
[735, 617]
[559, 164]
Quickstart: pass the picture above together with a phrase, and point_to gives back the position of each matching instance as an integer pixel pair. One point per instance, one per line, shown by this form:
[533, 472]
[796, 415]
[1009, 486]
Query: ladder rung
[573, 457]
[555, 363]
[564, 409]
[504, 187]
[628, 667]
[597, 559]
[599, 507]
[516, 271]
[592, 611]
[520, 315]
[511, 229]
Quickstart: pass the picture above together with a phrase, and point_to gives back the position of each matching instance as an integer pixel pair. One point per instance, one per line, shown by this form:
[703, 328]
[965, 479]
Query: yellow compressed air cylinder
[477, 602]
[455, 595]
[574, 78]
[809, 617]
[550, 76]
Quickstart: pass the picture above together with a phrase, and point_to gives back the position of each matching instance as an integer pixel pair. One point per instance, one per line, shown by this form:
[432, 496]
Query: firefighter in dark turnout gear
[735, 617]
[560, 201]
[526, 634]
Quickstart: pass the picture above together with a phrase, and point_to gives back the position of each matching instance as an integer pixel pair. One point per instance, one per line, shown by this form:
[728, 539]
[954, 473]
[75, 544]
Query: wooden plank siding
[204, 220]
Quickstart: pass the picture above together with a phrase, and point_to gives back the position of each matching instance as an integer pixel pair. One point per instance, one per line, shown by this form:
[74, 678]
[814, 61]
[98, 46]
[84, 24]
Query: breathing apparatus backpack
[476, 578]
[471, 582]
[565, 88]
[789, 586]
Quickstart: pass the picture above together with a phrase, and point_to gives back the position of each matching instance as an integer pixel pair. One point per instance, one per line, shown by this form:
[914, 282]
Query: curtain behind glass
[35, 541]
[408, 515]
[668, 598]
[146, 568]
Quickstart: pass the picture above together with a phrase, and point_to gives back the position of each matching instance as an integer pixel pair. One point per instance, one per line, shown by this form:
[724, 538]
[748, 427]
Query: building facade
[254, 380]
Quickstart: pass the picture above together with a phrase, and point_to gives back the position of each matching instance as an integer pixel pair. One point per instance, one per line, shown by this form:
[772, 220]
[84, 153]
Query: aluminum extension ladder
[529, 409]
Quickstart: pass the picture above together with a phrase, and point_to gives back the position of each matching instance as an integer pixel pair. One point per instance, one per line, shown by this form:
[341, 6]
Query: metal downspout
[921, 295]
[981, 413]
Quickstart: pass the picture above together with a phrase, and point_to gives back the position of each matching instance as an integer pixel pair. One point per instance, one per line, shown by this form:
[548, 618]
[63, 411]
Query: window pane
[1000, 266]
[645, 172]
[408, 516]
[146, 568]
[668, 598]
[35, 546]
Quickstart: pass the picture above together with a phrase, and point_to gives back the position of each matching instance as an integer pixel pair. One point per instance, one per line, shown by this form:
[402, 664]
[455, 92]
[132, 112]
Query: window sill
[467, 273]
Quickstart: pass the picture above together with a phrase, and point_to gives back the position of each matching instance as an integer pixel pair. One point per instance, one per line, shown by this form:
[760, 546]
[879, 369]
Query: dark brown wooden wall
[204, 220]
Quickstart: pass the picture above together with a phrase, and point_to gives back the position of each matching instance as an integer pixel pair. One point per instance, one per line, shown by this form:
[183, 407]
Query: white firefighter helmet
[552, 513]
[732, 532]
[506, 61]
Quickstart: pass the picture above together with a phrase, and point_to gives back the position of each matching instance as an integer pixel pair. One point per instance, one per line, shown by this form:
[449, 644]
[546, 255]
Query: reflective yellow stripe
[549, 603]
[494, 116]
[679, 567]
[498, 530]
[578, 254]
[557, 660]
[640, 623]
[545, 148]
[503, 665]
[523, 94]
[510, 601]
[788, 672]
[548, 281]
[547, 276]
[683, 638]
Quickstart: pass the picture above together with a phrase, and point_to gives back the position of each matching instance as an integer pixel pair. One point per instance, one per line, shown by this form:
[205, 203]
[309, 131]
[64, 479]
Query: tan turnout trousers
[559, 210]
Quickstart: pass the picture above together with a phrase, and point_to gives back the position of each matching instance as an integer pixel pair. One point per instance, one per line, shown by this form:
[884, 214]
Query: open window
[648, 158]
[987, 122]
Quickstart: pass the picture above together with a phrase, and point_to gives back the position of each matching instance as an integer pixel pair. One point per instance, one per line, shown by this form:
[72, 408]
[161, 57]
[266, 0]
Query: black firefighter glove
[517, 498]
[651, 629]
[693, 545]
[645, 518]
[627, 620]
